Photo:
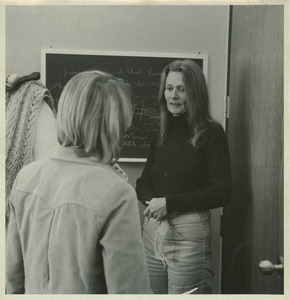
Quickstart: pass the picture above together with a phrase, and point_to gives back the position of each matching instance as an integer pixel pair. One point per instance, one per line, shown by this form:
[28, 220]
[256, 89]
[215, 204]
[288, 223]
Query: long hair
[94, 113]
[197, 100]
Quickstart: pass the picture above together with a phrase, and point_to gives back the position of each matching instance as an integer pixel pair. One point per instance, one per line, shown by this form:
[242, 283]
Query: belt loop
[205, 215]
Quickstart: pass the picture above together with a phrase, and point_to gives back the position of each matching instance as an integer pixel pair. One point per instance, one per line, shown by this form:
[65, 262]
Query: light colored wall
[139, 28]
[175, 29]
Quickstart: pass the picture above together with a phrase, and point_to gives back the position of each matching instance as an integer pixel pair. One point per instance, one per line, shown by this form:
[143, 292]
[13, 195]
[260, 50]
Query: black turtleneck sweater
[190, 178]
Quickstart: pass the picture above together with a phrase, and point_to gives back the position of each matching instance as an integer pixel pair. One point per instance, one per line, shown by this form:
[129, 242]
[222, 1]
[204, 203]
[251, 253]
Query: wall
[147, 28]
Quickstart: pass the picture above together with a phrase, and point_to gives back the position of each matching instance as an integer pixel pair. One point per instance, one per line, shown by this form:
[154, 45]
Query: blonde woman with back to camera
[74, 226]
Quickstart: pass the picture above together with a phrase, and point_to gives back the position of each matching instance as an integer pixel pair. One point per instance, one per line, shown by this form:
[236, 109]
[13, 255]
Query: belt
[185, 218]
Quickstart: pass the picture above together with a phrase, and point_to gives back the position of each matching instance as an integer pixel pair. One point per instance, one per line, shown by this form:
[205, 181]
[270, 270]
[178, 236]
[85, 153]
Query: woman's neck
[177, 122]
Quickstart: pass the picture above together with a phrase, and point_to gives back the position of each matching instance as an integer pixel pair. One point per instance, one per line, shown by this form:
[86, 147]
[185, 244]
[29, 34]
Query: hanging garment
[23, 108]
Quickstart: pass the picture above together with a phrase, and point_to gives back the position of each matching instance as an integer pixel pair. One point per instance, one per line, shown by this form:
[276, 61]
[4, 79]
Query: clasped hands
[156, 209]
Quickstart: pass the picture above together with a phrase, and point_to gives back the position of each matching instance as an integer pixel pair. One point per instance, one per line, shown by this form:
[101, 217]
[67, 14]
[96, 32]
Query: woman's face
[175, 93]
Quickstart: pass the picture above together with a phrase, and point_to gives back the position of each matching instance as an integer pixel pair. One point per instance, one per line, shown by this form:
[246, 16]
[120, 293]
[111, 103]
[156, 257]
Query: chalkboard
[141, 70]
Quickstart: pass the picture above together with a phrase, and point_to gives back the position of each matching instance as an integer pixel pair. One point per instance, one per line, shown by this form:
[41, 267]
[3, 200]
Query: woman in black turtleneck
[187, 173]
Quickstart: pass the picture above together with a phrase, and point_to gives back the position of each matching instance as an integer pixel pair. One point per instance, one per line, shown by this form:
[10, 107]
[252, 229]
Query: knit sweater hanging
[22, 111]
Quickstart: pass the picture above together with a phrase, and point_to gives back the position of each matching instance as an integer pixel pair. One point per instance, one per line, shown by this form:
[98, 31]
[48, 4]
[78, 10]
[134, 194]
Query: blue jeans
[187, 252]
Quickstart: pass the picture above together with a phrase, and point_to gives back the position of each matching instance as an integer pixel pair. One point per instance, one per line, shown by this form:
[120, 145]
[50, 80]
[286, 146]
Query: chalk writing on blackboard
[141, 70]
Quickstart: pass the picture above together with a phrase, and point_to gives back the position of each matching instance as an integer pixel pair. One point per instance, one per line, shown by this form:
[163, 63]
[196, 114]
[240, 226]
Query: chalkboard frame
[45, 52]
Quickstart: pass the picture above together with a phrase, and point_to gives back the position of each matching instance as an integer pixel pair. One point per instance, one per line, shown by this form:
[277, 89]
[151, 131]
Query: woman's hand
[156, 209]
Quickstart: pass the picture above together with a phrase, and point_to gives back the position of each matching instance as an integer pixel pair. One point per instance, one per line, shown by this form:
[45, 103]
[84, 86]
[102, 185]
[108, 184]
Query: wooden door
[254, 219]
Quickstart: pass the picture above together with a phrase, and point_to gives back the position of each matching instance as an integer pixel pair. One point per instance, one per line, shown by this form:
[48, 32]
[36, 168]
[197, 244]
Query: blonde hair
[197, 100]
[94, 113]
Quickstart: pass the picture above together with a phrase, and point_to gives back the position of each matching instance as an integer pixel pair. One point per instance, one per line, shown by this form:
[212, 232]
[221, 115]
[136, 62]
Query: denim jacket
[74, 228]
